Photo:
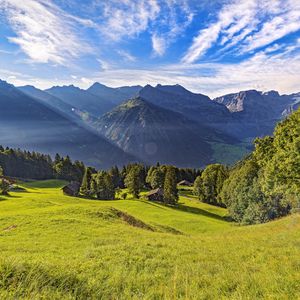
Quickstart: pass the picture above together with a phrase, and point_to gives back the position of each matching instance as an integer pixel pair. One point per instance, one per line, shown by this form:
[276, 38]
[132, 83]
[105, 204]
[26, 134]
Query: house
[185, 183]
[156, 195]
[72, 189]
[8, 180]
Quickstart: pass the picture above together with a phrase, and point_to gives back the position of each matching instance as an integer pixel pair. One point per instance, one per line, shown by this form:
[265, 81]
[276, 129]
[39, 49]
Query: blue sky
[212, 47]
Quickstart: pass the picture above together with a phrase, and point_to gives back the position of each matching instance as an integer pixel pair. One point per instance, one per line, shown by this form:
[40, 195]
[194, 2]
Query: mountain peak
[70, 87]
[98, 85]
[5, 84]
[272, 93]
[177, 88]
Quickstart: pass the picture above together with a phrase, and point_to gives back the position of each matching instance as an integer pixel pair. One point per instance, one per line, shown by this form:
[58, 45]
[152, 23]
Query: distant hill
[115, 95]
[27, 123]
[49, 100]
[82, 99]
[70, 111]
[156, 134]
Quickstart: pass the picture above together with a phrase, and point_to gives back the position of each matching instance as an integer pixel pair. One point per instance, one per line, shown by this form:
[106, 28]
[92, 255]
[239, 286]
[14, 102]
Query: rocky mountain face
[155, 134]
[255, 113]
[28, 123]
[114, 95]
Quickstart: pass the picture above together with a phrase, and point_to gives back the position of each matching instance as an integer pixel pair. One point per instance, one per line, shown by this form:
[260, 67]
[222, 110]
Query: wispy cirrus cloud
[159, 44]
[125, 18]
[164, 19]
[176, 17]
[246, 25]
[127, 56]
[44, 32]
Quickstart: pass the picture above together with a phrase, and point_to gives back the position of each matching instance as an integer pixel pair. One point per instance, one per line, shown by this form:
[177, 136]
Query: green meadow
[59, 247]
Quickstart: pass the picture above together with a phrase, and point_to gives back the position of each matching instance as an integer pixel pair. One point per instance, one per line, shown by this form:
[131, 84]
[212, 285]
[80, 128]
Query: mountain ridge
[27, 123]
[157, 134]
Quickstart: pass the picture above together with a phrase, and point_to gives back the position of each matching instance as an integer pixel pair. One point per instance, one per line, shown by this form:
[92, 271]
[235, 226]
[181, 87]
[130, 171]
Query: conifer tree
[133, 180]
[199, 188]
[170, 186]
[86, 182]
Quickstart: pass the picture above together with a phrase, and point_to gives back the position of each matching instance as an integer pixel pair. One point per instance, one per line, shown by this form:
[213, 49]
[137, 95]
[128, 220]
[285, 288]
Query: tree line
[104, 185]
[33, 165]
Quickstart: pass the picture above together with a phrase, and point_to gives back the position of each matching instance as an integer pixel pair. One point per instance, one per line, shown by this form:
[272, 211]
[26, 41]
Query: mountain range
[28, 123]
[104, 126]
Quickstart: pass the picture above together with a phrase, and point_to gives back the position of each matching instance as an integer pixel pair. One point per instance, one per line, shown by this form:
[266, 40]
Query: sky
[212, 47]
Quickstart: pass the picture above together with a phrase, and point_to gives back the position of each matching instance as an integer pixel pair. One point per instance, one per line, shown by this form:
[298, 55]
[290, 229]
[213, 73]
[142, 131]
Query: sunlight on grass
[59, 247]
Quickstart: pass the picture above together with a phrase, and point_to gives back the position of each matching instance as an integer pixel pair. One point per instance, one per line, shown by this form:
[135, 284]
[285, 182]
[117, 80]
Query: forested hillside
[263, 186]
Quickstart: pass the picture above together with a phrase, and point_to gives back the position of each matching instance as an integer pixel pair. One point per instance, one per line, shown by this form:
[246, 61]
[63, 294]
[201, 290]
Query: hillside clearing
[59, 247]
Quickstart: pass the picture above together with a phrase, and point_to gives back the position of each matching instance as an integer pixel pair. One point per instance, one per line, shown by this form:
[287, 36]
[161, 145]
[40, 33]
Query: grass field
[59, 247]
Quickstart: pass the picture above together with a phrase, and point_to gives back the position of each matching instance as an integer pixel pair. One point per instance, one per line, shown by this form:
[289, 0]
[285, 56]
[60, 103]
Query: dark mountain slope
[156, 134]
[115, 95]
[195, 106]
[27, 123]
[81, 99]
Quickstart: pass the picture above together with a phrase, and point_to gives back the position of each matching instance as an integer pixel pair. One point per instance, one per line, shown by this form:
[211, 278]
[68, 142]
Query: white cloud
[262, 72]
[121, 18]
[232, 19]
[246, 25]
[43, 31]
[158, 45]
[104, 65]
[127, 56]
[176, 16]
[164, 19]
[273, 30]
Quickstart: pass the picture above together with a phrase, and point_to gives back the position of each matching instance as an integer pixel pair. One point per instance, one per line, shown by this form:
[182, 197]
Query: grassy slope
[58, 247]
[229, 154]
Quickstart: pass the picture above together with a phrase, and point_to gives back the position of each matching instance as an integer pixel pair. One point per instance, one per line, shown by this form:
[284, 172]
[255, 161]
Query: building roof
[158, 191]
[184, 182]
[73, 186]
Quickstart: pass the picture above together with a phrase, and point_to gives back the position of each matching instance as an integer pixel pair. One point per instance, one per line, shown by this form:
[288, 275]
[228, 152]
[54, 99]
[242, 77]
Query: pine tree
[170, 186]
[86, 182]
[133, 180]
[116, 176]
[94, 187]
[199, 189]
[110, 190]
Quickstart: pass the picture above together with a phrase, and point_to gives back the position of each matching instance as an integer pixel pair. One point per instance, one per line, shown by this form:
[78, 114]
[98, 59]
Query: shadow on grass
[199, 211]
[12, 196]
[155, 204]
[191, 210]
